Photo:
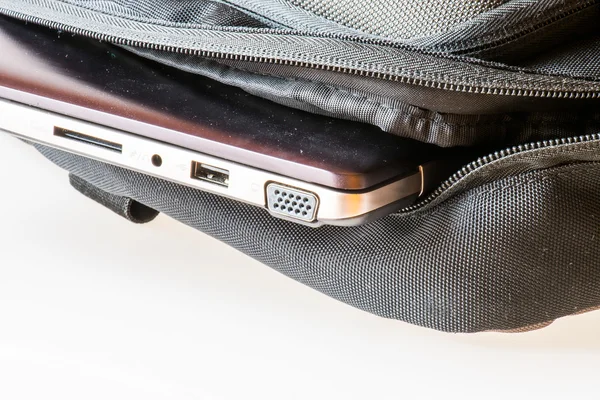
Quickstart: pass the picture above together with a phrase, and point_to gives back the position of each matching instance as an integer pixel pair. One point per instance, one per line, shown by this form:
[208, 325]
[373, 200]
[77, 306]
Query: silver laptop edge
[283, 197]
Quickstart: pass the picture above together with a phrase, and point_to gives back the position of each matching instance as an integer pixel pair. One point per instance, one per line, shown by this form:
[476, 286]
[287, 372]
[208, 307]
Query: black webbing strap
[124, 206]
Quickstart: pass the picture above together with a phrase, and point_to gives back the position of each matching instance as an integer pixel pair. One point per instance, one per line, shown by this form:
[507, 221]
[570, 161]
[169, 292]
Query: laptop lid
[101, 83]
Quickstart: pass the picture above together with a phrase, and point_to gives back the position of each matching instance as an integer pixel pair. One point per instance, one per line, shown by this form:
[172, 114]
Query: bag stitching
[548, 177]
[416, 73]
[501, 33]
[438, 207]
[375, 102]
[504, 124]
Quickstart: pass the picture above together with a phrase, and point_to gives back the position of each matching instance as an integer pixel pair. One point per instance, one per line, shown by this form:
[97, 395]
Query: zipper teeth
[307, 64]
[490, 158]
[467, 169]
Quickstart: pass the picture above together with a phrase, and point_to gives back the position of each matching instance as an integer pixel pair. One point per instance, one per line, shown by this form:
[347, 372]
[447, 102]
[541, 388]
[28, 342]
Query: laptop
[103, 102]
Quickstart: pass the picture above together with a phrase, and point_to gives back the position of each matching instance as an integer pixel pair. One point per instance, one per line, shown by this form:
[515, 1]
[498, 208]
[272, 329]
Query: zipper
[416, 81]
[493, 157]
[448, 183]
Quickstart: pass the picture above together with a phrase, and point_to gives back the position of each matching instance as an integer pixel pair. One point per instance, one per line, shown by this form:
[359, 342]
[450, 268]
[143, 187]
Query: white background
[94, 307]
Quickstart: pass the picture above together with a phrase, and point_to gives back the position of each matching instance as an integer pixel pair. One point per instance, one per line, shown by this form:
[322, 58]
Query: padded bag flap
[490, 254]
[508, 242]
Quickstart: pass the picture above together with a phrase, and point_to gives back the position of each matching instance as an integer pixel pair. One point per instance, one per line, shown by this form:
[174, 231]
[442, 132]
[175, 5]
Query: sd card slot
[87, 139]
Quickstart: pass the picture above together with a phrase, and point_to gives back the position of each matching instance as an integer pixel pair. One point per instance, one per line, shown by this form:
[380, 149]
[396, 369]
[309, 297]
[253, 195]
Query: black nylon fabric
[512, 244]
[506, 254]
[187, 13]
[396, 18]
[385, 105]
[127, 208]
[576, 59]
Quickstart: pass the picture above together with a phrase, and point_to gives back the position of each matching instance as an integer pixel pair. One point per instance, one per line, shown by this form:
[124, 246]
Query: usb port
[208, 173]
[87, 139]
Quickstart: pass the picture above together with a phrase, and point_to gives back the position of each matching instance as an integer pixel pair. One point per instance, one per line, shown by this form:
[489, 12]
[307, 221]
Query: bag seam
[553, 175]
[549, 15]
[344, 63]
[499, 123]
[376, 103]
[167, 24]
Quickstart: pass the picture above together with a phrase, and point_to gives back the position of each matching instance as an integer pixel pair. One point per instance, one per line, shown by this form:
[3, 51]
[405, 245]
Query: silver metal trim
[246, 183]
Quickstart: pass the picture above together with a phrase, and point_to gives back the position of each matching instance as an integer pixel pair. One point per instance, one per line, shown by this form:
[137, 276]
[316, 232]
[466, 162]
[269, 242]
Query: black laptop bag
[510, 242]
